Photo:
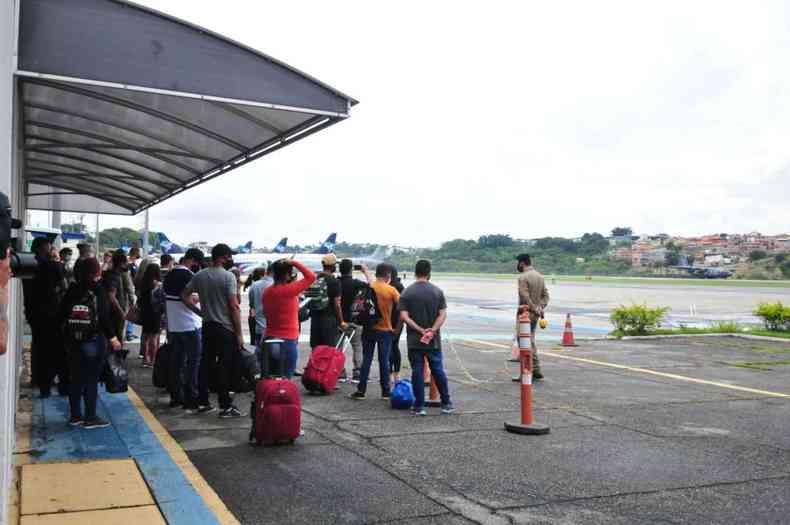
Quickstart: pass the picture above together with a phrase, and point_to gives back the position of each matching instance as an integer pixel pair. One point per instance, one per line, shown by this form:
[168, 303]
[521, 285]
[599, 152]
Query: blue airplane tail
[247, 248]
[328, 246]
[167, 245]
[281, 246]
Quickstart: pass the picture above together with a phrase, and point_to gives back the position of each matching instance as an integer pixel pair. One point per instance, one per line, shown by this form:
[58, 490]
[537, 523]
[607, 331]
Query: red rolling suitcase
[325, 365]
[277, 408]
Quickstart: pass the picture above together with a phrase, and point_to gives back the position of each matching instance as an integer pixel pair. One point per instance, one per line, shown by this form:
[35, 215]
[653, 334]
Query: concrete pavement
[625, 446]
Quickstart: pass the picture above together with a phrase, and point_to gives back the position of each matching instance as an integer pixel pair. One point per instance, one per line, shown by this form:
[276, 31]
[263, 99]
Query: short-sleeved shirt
[333, 291]
[387, 297]
[256, 300]
[423, 301]
[179, 317]
[215, 286]
[348, 290]
[113, 280]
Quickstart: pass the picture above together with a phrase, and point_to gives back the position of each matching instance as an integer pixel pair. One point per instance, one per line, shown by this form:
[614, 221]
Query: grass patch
[763, 366]
[770, 350]
[770, 333]
[734, 283]
[718, 328]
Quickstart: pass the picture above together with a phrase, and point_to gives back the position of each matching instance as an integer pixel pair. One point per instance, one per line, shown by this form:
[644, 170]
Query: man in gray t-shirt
[215, 286]
[423, 309]
[222, 336]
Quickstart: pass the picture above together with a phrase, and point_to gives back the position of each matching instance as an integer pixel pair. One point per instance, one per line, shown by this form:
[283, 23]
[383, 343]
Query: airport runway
[483, 308]
[480, 304]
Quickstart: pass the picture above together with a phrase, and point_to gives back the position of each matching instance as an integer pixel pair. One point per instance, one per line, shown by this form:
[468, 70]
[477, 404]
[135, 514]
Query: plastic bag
[115, 376]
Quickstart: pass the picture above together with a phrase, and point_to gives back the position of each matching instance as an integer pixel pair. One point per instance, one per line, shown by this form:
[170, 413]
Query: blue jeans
[85, 363]
[291, 349]
[416, 358]
[185, 353]
[369, 343]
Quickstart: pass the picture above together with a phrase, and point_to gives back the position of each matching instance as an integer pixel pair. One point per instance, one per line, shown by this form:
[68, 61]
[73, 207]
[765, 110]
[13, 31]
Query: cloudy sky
[527, 118]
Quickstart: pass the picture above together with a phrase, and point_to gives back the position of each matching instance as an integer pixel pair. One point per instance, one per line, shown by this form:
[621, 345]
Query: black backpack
[365, 307]
[82, 323]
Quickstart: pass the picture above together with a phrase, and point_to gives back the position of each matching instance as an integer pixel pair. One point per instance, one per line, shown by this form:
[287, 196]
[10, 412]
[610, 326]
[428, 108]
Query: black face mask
[228, 264]
[195, 268]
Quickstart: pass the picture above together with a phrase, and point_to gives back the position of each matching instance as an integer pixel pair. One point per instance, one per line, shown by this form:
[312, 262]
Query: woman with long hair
[254, 277]
[150, 318]
[85, 313]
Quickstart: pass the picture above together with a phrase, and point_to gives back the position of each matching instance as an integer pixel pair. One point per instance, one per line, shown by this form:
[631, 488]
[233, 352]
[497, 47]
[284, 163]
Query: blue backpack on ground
[402, 395]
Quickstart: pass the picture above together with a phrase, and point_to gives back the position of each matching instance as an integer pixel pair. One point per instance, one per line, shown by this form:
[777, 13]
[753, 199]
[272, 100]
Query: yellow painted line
[477, 341]
[687, 379]
[212, 500]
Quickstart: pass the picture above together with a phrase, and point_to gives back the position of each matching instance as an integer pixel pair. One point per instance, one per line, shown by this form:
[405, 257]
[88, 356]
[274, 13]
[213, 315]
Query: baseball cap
[195, 254]
[524, 258]
[329, 259]
[221, 250]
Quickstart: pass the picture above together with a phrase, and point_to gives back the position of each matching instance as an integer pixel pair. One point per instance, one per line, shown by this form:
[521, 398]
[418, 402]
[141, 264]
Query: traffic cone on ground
[567, 337]
[514, 351]
[526, 425]
[433, 393]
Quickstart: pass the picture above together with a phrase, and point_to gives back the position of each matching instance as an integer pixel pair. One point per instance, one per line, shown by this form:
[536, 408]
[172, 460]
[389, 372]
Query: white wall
[9, 362]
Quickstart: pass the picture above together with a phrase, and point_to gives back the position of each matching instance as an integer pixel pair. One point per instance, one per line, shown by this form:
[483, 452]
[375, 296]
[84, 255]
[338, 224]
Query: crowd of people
[80, 311]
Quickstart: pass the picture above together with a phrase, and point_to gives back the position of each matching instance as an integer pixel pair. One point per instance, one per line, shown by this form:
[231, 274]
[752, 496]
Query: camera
[358, 267]
[23, 264]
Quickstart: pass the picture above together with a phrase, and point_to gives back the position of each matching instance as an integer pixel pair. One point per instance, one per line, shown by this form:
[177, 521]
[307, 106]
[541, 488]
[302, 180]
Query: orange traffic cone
[514, 351]
[567, 337]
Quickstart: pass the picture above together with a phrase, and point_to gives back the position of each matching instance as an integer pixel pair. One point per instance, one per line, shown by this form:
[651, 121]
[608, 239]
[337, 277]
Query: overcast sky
[527, 118]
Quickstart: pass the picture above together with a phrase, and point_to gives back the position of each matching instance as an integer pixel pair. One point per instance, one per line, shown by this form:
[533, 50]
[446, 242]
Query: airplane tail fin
[328, 246]
[246, 248]
[281, 246]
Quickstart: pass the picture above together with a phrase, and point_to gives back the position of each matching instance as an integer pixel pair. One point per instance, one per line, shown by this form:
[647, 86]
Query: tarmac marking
[687, 379]
[179, 457]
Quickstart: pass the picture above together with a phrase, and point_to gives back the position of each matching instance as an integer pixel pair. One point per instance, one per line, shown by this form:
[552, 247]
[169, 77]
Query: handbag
[133, 314]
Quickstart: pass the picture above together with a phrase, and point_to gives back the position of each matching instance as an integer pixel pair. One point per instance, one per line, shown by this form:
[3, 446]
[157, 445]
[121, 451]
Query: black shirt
[348, 289]
[46, 288]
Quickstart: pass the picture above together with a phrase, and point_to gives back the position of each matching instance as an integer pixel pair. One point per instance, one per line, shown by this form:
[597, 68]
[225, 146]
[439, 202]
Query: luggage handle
[347, 336]
[267, 344]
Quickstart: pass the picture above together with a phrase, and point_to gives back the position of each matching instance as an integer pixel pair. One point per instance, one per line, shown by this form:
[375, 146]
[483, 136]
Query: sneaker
[385, 395]
[175, 404]
[205, 409]
[536, 375]
[419, 412]
[297, 373]
[96, 422]
[357, 395]
[230, 412]
[147, 365]
[140, 356]
[448, 408]
[76, 422]
[355, 380]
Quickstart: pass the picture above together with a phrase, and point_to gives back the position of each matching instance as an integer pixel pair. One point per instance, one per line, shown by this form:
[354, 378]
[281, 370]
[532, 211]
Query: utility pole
[98, 255]
[145, 236]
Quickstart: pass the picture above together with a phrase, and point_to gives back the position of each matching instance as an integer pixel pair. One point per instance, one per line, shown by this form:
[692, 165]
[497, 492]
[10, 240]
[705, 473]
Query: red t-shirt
[281, 305]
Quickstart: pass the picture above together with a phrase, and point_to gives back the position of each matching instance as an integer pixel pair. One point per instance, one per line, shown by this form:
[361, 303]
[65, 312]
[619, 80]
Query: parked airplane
[247, 262]
[170, 247]
[245, 248]
[705, 273]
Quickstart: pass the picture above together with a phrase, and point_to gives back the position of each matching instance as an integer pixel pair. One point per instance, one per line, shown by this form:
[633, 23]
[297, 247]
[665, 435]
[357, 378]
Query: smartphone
[358, 267]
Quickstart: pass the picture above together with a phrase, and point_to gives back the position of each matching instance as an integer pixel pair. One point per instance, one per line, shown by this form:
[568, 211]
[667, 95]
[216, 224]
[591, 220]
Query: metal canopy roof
[124, 107]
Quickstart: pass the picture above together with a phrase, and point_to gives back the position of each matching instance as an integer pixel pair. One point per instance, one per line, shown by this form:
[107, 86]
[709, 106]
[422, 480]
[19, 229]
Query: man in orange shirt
[379, 334]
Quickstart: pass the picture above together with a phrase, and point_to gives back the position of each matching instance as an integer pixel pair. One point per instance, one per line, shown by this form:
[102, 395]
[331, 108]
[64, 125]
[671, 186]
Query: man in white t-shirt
[184, 333]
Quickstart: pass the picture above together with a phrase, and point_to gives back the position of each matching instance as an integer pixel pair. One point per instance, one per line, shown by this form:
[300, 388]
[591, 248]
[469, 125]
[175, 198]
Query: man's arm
[544, 296]
[186, 298]
[297, 287]
[367, 274]
[524, 298]
[112, 293]
[235, 314]
[439, 322]
[404, 316]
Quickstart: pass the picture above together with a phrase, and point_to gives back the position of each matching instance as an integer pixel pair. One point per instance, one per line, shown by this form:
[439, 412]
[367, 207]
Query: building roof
[124, 107]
